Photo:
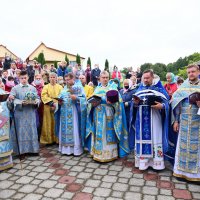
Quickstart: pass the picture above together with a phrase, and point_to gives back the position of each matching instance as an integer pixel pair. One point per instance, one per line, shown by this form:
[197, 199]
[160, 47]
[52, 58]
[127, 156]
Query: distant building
[51, 55]
[6, 52]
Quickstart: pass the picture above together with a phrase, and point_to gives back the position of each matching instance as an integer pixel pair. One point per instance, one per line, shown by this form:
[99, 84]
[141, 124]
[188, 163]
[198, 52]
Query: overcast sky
[126, 32]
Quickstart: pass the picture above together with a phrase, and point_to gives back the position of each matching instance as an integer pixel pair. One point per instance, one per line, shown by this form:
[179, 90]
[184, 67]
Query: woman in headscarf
[171, 85]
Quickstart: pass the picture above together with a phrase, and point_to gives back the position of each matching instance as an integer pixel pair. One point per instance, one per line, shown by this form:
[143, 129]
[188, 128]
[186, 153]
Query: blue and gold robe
[5, 143]
[106, 132]
[187, 158]
[72, 120]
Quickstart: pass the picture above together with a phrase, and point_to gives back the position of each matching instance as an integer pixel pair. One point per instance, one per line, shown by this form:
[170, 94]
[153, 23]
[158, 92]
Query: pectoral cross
[144, 101]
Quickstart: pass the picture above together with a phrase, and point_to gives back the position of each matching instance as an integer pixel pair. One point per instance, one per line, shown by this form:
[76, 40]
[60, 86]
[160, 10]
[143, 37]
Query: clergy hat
[112, 96]
[3, 97]
[194, 97]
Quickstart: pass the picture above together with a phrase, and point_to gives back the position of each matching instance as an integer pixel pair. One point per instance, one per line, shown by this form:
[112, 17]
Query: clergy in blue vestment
[72, 117]
[186, 121]
[151, 102]
[26, 102]
[106, 131]
[5, 143]
[127, 95]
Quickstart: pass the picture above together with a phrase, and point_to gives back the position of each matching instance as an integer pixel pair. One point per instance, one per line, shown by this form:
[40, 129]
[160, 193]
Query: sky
[126, 32]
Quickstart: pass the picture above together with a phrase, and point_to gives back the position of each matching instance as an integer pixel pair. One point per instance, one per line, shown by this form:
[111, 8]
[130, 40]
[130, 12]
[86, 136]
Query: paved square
[55, 176]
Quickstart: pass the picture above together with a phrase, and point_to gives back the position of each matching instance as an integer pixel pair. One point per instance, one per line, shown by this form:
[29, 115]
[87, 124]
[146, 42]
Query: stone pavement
[55, 176]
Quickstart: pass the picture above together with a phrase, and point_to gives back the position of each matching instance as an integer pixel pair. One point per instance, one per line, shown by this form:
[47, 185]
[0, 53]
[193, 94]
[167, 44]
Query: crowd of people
[85, 110]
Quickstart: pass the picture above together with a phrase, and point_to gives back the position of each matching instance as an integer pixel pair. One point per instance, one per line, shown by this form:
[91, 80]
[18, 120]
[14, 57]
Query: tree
[106, 66]
[41, 59]
[89, 61]
[55, 63]
[67, 59]
[160, 69]
[145, 66]
[182, 73]
[78, 59]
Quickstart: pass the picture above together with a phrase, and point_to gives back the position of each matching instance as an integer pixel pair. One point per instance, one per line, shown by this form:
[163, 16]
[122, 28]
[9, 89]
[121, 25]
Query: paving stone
[18, 196]
[138, 175]
[66, 179]
[84, 175]
[32, 174]
[117, 194]
[151, 177]
[163, 197]
[165, 184]
[88, 189]
[89, 170]
[150, 183]
[54, 177]
[93, 165]
[166, 192]
[48, 183]
[150, 190]
[110, 179]
[27, 188]
[196, 195]
[149, 197]
[97, 177]
[102, 192]
[98, 198]
[111, 198]
[79, 180]
[72, 173]
[123, 180]
[136, 181]
[43, 176]
[5, 184]
[40, 190]
[112, 173]
[106, 185]
[25, 180]
[32, 197]
[4, 176]
[39, 169]
[4, 194]
[36, 163]
[82, 195]
[182, 194]
[120, 187]
[53, 192]
[67, 195]
[115, 168]
[180, 186]
[22, 172]
[194, 188]
[125, 174]
[60, 186]
[165, 178]
[133, 196]
[92, 183]
[61, 172]
[135, 189]
[71, 162]
[74, 187]
[36, 182]
[101, 171]
[16, 186]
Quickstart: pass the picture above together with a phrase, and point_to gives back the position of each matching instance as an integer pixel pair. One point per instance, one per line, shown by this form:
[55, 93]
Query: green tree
[145, 66]
[89, 61]
[106, 66]
[182, 73]
[41, 58]
[78, 59]
[160, 69]
[55, 63]
[67, 59]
